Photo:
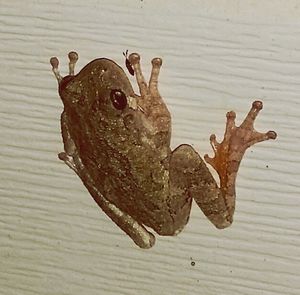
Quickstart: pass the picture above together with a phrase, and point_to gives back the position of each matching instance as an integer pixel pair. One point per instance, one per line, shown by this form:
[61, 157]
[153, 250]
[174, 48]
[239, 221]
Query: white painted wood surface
[218, 56]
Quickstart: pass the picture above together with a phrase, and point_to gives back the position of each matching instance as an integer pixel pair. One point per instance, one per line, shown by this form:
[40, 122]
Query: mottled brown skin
[122, 151]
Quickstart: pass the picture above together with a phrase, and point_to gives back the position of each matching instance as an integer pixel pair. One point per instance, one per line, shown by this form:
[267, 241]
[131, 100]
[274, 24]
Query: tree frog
[118, 143]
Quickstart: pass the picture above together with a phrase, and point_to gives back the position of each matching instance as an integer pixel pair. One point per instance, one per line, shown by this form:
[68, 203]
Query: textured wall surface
[217, 56]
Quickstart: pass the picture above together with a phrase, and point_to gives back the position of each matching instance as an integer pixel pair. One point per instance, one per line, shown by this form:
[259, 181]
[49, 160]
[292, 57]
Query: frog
[119, 144]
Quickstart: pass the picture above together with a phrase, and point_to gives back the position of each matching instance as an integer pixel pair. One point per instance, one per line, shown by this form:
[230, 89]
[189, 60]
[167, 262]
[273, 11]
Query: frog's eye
[118, 99]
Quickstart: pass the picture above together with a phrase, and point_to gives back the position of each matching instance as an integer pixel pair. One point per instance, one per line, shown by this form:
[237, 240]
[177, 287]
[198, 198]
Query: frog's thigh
[180, 201]
[136, 231]
[201, 186]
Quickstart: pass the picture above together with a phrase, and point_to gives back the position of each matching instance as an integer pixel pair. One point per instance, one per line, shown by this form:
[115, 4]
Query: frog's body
[119, 145]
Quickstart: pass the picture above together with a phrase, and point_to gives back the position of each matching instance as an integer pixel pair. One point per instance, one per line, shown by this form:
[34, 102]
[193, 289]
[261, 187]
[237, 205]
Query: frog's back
[133, 177]
[125, 156]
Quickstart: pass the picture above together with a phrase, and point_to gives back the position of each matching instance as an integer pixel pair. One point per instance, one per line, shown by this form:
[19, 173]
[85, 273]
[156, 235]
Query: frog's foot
[134, 59]
[150, 102]
[229, 153]
[68, 160]
[73, 57]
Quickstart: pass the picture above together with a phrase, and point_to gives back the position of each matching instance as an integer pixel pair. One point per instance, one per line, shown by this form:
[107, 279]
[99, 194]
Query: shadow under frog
[118, 143]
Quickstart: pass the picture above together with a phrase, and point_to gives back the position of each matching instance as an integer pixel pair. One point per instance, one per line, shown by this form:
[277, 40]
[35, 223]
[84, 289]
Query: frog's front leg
[135, 230]
[218, 204]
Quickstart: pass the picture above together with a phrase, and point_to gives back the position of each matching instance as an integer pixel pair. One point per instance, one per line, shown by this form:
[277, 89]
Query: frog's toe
[134, 58]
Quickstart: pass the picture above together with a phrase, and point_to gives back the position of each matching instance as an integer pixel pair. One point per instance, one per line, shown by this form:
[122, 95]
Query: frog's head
[101, 86]
[101, 95]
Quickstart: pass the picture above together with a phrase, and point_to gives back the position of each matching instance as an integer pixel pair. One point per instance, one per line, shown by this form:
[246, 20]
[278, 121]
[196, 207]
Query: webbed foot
[229, 153]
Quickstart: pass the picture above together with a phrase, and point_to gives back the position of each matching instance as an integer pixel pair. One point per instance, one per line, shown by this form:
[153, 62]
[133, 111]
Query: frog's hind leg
[189, 172]
[229, 153]
[218, 204]
[136, 231]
